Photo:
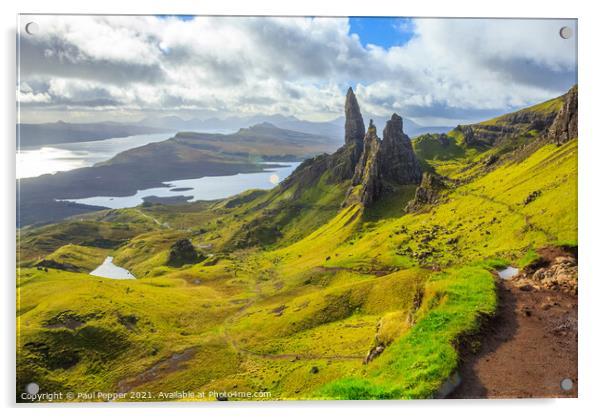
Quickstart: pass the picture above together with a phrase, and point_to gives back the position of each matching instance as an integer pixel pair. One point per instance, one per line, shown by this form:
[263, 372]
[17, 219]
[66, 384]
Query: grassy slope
[319, 292]
[433, 147]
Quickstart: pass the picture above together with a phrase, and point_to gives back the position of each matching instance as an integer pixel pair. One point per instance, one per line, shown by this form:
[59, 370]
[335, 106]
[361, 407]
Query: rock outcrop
[560, 274]
[558, 124]
[427, 193]
[564, 126]
[468, 133]
[383, 165]
[183, 252]
[397, 157]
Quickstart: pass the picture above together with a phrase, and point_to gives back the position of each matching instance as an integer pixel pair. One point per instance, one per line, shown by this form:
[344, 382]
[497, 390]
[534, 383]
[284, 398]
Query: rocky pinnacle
[354, 123]
[398, 160]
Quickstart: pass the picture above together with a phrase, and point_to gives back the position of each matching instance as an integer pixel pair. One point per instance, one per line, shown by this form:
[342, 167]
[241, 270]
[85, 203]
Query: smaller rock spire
[397, 157]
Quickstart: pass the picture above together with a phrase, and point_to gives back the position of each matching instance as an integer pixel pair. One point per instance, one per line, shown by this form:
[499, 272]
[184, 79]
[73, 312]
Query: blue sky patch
[382, 31]
[183, 17]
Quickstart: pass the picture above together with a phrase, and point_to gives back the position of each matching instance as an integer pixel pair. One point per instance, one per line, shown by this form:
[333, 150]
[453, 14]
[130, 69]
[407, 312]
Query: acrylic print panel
[259, 208]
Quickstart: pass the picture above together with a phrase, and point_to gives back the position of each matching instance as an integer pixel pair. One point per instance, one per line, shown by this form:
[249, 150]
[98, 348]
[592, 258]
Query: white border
[590, 201]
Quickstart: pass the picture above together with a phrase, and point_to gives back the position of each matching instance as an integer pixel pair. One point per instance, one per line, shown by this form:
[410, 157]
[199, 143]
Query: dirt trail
[527, 350]
[156, 221]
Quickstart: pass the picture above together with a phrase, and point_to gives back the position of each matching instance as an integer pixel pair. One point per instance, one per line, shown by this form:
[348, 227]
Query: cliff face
[564, 126]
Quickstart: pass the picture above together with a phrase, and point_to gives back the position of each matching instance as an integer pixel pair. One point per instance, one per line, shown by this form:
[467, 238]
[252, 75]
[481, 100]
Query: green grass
[415, 365]
[438, 147]
[83, 258]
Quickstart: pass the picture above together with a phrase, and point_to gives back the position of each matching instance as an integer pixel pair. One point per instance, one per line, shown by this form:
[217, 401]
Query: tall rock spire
[354, 123]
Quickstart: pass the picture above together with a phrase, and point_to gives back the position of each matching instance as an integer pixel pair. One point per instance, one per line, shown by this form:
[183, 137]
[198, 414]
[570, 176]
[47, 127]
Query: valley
[362, 275]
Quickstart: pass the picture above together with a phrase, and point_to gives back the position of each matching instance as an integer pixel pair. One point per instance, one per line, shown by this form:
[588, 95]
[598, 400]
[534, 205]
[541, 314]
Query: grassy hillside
[292, 291]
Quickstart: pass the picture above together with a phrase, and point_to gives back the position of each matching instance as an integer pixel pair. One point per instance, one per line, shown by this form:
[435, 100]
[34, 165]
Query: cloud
[450, 69]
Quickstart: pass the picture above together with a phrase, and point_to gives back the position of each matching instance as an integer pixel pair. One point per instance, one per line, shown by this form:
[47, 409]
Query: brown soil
[526, 350]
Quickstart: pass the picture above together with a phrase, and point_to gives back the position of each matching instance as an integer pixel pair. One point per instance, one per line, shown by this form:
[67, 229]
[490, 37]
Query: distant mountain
[263, 139]
[333, 129]
[30, 135]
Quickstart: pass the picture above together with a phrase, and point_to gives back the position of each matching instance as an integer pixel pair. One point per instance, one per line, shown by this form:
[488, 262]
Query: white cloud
[451, 68]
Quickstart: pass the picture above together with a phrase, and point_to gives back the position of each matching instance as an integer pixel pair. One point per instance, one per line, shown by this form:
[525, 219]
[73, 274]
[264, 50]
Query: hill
[361, 276]
[37, 135]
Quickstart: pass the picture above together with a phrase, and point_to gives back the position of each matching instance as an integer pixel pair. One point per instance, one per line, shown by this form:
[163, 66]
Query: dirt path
[527, 350]
[156, 221]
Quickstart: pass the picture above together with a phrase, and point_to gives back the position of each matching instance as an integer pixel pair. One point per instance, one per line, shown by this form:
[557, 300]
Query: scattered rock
[491, 160]
[279, 310]
[373, 353]
[531, 197]
[526, 287]
[559, 271]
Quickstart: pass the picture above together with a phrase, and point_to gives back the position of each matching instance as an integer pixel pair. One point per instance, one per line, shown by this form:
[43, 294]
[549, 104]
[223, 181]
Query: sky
[434, 71]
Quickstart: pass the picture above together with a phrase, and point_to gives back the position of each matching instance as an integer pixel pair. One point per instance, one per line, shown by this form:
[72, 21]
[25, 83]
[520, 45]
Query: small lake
[508, 273]
[109, 270]
[206, 188]
[54, 158]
